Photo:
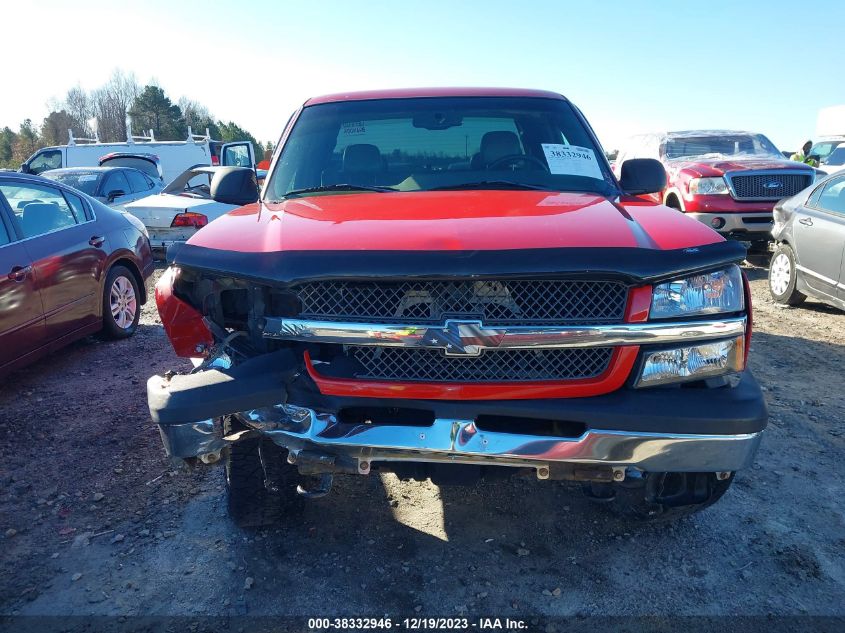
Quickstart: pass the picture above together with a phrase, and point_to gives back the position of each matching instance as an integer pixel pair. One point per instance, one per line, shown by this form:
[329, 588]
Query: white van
[174, 157]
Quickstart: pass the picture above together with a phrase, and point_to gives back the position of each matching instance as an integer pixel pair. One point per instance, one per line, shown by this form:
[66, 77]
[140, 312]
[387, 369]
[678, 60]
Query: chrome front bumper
[462, 442]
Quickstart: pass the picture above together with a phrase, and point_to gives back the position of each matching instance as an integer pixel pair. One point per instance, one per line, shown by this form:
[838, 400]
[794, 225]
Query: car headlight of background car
[707, 186]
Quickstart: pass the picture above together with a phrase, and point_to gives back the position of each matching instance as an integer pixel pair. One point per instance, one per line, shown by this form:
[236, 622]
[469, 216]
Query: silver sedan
[809, 259]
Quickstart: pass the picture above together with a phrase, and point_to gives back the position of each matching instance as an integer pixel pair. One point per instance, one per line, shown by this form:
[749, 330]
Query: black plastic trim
[258, 382]
[630, 264]
[688, 409]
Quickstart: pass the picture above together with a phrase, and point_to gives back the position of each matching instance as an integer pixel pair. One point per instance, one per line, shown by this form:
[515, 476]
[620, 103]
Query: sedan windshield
[719, 146]
[86, 182]
[428, 144]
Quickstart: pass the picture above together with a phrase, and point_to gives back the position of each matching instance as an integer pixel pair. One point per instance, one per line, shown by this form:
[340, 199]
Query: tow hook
[321, 490]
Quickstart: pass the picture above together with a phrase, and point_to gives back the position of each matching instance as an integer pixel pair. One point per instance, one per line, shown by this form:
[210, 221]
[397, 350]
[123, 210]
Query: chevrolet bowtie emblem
[461, 338]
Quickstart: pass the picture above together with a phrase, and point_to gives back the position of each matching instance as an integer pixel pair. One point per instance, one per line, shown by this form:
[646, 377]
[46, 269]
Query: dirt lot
[93, 519]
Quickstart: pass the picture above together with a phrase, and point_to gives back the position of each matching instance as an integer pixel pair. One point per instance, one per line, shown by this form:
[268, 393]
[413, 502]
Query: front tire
[252, 466]
[121, 305]
[783, 276]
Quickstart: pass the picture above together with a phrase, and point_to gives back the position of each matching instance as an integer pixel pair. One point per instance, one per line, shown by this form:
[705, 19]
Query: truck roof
[410, 93]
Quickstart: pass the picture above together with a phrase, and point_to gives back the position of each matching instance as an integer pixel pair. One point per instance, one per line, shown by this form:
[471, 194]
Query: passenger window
[4, 234]
[38, 209]
[51, 159]
[116, 183]
[137, 181]
[832, 197]
[77, 206]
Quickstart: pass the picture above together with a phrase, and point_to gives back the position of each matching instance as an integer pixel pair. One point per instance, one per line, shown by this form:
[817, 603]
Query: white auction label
[572, 160]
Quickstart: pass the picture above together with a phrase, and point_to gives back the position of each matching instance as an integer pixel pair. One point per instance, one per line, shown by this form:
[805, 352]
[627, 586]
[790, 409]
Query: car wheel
[260, 484]
[660, 497]
[121, 305]
[783, 276]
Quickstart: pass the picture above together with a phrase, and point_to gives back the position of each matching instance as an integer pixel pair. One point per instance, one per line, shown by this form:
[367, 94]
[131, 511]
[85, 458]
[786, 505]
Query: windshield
[720, 146]
[439, 143]
[86, 182]
[836, 157]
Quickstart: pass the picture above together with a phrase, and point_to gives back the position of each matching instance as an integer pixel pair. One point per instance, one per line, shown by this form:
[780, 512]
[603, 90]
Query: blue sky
[631, 67]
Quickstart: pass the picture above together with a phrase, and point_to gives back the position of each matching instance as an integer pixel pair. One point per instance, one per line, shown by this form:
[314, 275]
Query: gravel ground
[94, 520]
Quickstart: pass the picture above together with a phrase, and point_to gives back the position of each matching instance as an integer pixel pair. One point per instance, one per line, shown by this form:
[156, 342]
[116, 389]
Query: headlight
[707, 293]
[693, 363]
[707, 186]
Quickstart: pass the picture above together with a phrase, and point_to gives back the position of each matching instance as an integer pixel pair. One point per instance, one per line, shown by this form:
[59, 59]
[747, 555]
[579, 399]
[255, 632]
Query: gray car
[114, 186]
[809, 230]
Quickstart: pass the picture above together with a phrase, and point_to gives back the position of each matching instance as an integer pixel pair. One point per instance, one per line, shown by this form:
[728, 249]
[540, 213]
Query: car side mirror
[115, 193]
[642, 175]
[25, 168]
[815, 157]
[234, 185]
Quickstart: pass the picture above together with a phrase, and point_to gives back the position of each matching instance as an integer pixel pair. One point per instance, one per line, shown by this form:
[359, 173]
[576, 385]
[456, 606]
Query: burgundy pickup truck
[728, 180]
[452, 284]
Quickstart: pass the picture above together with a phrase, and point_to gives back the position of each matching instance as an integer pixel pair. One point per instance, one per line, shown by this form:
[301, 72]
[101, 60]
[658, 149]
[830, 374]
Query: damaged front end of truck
[447, 366]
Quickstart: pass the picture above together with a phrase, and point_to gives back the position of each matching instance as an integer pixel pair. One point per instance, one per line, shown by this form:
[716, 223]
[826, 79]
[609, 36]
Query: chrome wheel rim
[780, 274]
[124, 304]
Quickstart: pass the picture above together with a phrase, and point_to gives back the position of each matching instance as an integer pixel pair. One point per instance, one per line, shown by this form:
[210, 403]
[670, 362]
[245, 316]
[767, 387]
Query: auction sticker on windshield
[572, 160]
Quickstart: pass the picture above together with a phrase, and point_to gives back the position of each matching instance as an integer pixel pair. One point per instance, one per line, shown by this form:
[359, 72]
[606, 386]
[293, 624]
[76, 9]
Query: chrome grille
[507, 302]
[515, 365]
[768, 186]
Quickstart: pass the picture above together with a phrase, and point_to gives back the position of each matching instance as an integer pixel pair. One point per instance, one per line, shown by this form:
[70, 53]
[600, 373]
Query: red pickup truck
[727, 179]
[452, 284]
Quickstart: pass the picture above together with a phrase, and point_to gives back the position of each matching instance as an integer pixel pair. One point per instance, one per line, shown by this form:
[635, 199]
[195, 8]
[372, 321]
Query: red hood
[452, 221]
[711, 167]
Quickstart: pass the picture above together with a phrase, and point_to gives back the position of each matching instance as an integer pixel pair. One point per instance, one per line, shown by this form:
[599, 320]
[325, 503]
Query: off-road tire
[111, 329]
[250, 503]
[656, 497]
[790, 296]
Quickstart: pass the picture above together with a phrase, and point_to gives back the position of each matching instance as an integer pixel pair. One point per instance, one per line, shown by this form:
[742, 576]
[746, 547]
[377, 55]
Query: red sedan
[69, 267]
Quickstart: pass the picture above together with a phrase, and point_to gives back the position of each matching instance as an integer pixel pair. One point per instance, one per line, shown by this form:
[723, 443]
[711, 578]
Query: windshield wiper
[339, 187]
[490, 184]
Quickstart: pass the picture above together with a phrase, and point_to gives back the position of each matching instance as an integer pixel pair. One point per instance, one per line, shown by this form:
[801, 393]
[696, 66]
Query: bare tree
[111, 103]
[196, 115]
[79, 107]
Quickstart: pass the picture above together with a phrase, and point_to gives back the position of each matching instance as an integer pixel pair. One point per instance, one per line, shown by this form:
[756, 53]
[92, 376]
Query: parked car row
[171, 157]
[70, 266]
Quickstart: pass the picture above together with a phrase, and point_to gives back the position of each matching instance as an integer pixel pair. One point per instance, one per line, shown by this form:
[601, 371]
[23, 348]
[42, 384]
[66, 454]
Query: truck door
[240, 154]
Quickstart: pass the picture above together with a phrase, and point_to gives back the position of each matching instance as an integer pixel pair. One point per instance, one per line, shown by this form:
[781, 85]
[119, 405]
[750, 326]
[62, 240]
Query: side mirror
[234, 185]
[642, 175]
[25, 168]
[115, 193]
[815, 157]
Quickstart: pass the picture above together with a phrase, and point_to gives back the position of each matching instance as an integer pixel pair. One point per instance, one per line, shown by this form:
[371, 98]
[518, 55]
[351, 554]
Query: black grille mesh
[762, 186]
[523, 302]
[517, 365]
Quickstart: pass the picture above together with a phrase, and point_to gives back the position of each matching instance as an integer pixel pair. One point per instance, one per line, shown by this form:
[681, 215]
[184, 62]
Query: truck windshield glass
[427, 144]
[720, 146]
